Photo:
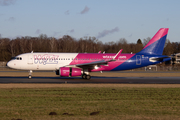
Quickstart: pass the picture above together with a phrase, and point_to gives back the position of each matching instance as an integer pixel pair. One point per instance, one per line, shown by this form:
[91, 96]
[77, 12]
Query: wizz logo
[46, 59]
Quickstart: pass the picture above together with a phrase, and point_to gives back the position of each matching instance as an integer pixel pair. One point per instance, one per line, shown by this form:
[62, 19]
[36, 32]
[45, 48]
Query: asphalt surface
[93, 80]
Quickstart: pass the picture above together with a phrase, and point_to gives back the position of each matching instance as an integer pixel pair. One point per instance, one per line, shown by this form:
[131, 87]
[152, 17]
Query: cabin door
[138, 59]
[30, 59]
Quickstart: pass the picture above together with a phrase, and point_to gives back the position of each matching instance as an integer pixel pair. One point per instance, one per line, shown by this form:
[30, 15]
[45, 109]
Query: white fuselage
[41, 61]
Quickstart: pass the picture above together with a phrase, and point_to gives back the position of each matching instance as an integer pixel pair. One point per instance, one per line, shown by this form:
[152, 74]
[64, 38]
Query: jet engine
[68, 72]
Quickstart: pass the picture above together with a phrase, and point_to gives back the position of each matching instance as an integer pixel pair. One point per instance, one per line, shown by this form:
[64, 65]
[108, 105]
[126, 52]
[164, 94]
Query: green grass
[79, 103]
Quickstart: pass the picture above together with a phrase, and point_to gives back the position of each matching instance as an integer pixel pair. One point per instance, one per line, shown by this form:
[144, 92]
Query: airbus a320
[81, 64]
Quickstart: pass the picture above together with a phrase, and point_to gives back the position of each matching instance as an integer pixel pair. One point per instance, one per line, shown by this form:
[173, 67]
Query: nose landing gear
[30, 74]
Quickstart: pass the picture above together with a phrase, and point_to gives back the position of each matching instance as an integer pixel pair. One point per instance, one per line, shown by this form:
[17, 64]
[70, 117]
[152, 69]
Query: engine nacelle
[68, 72]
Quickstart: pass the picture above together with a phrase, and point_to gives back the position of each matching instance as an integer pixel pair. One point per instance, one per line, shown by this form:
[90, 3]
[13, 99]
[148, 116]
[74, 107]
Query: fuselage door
[30, 59]
[138, 59]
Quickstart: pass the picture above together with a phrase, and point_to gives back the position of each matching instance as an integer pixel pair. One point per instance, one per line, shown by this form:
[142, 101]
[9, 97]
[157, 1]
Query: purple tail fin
[156, 44]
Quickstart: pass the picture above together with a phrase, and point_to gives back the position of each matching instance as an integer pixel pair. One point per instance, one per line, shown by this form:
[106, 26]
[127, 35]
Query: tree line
[13, 47]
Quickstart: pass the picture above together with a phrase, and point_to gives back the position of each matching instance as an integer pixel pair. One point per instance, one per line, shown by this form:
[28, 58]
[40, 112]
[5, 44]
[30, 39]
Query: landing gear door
[138, 59]
[30, 59]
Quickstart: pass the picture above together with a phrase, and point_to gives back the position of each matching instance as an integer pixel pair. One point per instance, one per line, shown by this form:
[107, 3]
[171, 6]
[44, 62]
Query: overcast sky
[107, 20]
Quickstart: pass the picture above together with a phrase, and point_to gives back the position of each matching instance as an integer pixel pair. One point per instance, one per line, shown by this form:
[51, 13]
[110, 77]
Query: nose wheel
[30, 77]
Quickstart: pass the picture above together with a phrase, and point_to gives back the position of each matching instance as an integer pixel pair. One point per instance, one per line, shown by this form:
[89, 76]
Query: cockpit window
[13, 58]
[16, 58]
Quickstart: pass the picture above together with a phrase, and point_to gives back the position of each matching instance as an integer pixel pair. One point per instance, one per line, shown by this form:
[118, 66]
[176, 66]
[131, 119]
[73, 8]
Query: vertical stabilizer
[156, 44]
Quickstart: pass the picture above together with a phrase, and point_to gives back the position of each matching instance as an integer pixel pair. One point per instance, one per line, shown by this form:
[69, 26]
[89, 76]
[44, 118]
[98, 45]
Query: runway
[93, 80]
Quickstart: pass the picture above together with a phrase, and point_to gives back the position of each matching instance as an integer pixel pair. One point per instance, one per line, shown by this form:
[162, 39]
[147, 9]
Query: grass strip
[89, 103]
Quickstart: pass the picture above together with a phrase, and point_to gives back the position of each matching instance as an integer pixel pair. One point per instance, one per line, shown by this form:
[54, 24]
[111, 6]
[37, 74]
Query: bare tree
[52, 44]
[145, 41]
[11, 48]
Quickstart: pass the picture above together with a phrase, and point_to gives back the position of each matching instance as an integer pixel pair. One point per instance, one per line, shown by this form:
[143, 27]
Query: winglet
[117, 55]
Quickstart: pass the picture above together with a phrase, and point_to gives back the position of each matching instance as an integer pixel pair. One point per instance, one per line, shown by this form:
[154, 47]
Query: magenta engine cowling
[68, 72]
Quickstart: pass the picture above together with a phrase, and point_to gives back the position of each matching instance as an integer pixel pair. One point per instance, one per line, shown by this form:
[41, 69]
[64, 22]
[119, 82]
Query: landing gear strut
[30, 74]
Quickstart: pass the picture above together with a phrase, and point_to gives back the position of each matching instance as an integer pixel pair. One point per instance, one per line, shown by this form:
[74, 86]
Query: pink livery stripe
[83, 58]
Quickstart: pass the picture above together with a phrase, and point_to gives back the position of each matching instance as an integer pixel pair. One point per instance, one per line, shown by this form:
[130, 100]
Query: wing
[91, 65]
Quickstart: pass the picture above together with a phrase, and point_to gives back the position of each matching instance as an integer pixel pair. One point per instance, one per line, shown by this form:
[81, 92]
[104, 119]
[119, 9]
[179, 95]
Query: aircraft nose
[12, 64]
[9, 64]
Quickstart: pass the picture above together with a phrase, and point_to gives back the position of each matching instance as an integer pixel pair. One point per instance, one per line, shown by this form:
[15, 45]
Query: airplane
[81, 64]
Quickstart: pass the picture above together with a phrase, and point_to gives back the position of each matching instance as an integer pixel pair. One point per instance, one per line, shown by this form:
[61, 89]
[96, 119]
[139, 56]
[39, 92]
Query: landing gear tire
[84, 76]
[30, 77]
[88, 77]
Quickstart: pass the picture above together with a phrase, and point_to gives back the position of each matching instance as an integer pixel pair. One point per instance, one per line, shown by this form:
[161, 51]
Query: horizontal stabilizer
[160, 59]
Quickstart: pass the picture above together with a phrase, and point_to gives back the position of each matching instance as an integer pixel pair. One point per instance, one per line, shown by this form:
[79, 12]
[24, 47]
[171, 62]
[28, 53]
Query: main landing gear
[85, 76]
[30, 74]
